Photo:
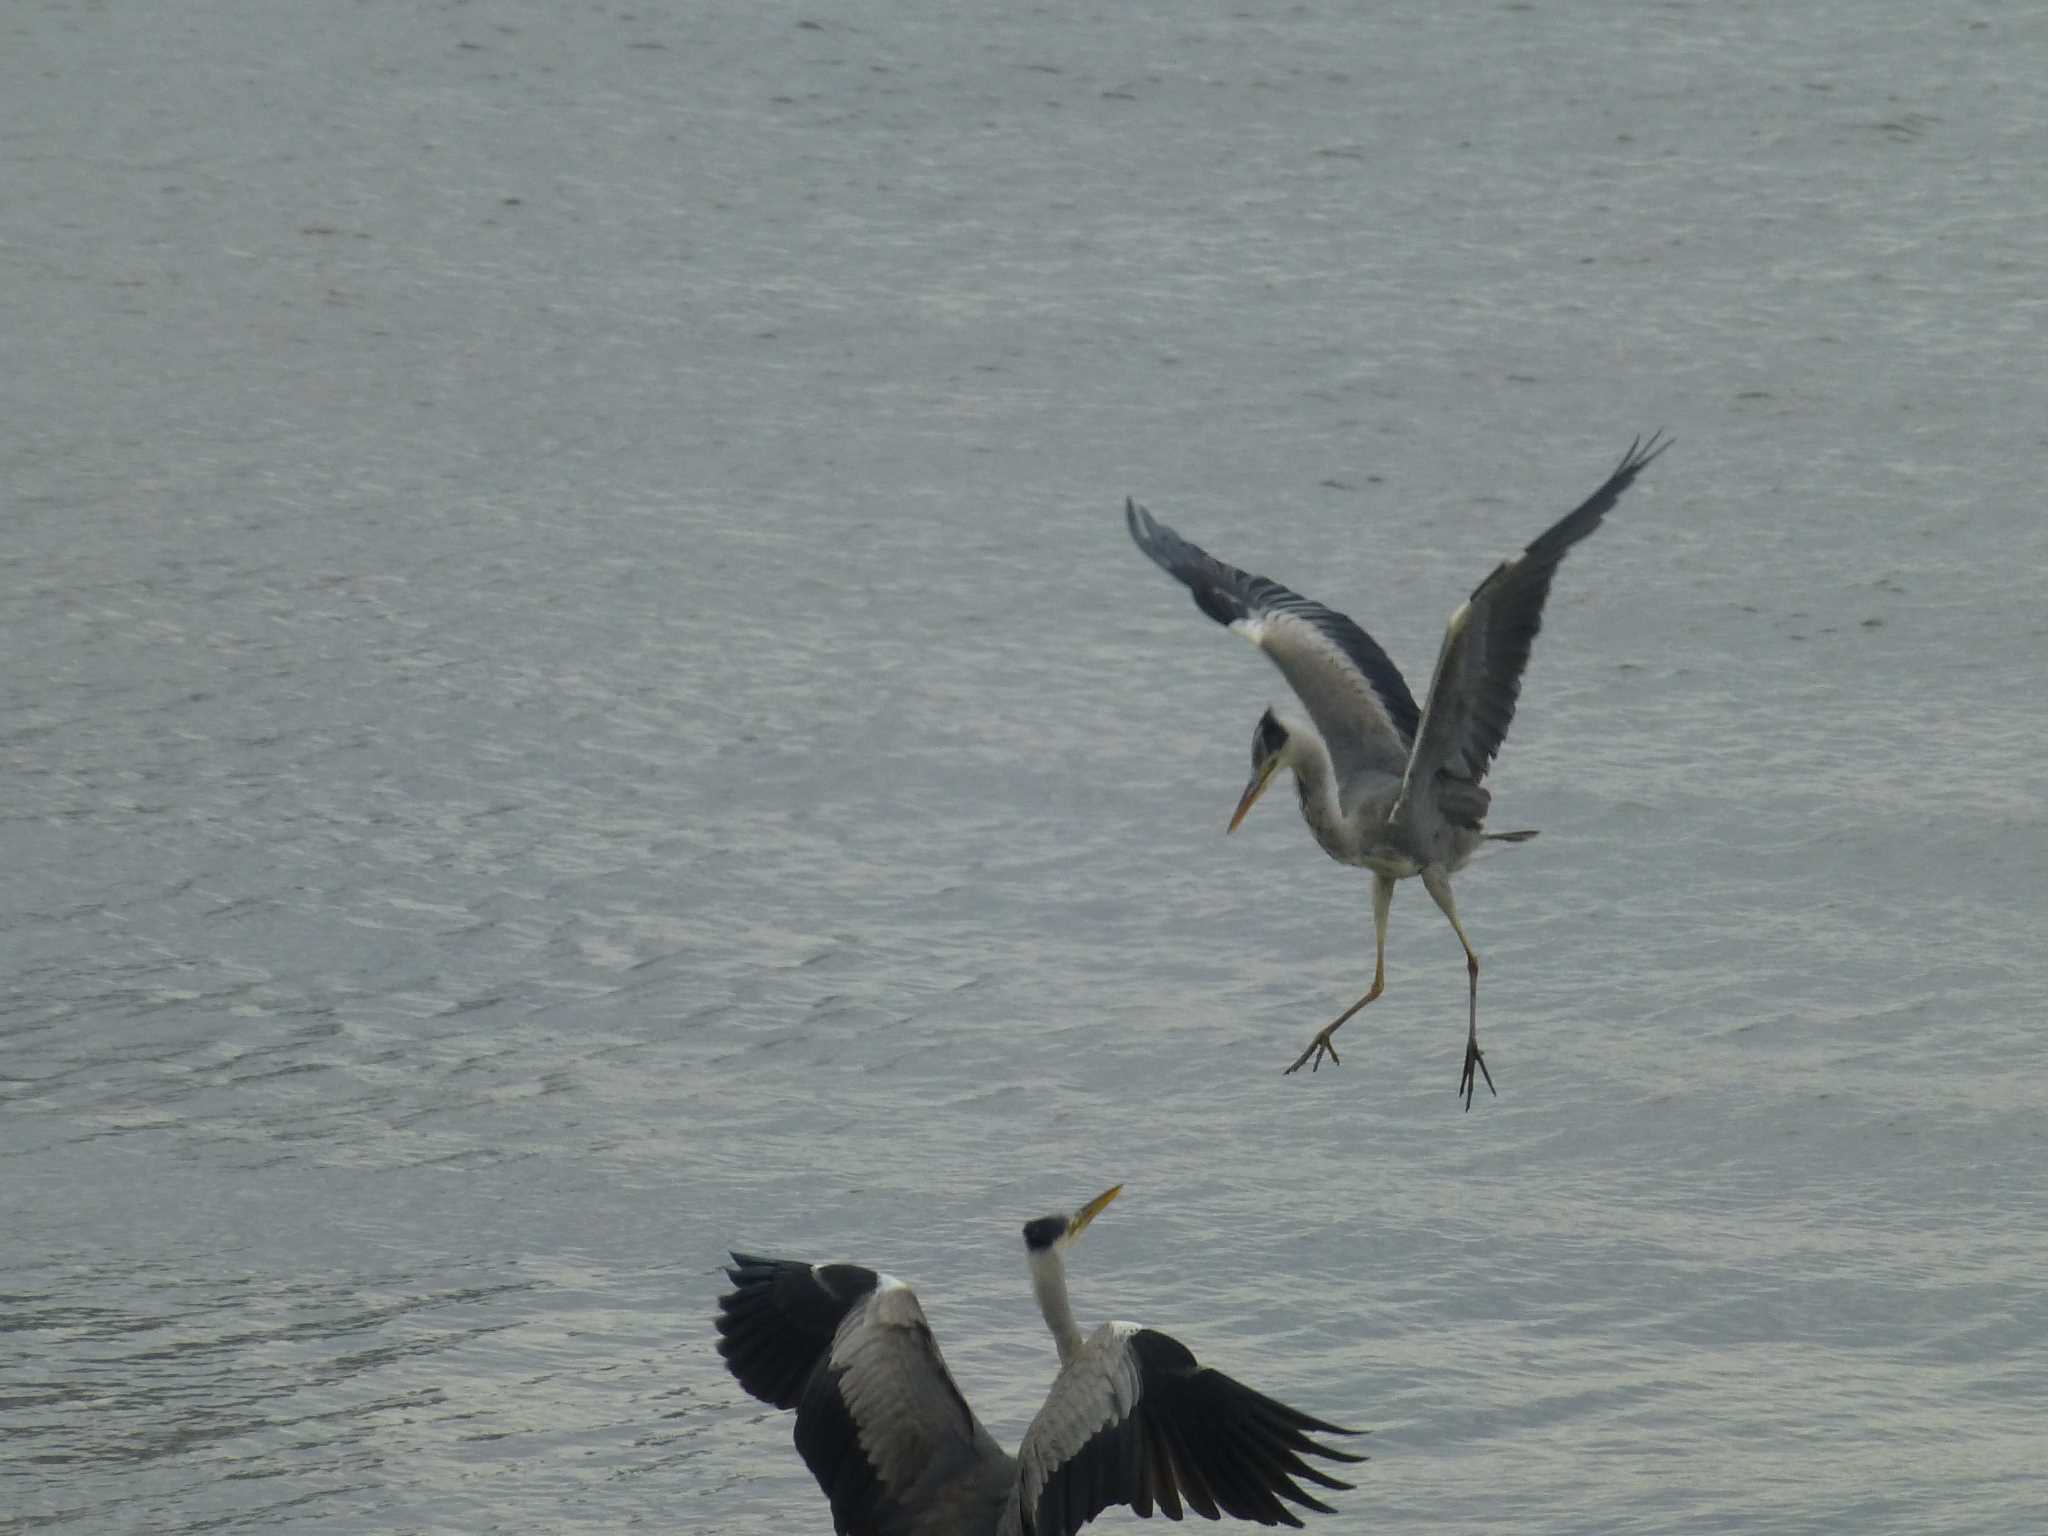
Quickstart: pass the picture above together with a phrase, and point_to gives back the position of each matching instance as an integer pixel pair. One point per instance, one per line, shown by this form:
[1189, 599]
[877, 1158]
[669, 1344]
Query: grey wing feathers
[1353, 691]
[1486, 647]
[1136, 1420]
[879, 1422]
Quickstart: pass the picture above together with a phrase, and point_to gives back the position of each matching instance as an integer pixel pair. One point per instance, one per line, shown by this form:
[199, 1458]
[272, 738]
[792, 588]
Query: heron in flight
[1384, 785]
[1132, 1418]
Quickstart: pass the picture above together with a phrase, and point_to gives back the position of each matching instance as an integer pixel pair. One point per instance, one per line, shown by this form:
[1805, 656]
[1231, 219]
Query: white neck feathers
[1049, 1285]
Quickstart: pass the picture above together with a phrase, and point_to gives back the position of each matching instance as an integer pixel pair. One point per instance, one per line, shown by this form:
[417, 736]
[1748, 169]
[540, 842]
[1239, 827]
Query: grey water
[576, 696]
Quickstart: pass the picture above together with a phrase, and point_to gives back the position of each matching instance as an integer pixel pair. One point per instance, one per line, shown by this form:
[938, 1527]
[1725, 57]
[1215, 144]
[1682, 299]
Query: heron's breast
[1389, 862]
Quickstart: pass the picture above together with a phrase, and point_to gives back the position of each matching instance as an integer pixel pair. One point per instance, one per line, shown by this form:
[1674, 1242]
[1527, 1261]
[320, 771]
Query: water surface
[577, 697]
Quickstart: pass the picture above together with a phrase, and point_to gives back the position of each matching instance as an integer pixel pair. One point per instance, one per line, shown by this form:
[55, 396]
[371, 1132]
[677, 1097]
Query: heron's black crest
[1041, 1234]
[1268, 739]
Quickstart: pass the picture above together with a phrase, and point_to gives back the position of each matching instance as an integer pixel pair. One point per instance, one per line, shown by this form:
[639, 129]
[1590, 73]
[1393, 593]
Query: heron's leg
[1382, 900]
[1438, 884]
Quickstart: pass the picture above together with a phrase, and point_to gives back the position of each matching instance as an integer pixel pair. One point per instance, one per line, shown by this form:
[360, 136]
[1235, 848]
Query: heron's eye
[1270, 738]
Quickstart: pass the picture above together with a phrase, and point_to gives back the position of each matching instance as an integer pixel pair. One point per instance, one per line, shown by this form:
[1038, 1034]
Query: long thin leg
[1438, 884]
[1382, 900]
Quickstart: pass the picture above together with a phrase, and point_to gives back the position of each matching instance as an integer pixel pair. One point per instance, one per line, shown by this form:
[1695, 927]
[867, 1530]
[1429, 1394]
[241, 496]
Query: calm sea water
[576, 696]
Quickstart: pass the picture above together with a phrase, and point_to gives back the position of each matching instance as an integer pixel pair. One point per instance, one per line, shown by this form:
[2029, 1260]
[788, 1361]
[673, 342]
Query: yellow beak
[1253, 790]
[1091, 1210]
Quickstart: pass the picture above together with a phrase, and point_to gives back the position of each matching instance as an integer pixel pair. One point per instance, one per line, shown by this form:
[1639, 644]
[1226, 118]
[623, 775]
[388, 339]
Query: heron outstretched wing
[1486, 645]
[1135, 1419]
[1353, 691]
[879, 1420]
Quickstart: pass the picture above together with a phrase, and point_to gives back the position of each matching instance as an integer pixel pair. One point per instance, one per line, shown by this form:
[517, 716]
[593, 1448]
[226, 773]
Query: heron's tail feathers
[1510, 837]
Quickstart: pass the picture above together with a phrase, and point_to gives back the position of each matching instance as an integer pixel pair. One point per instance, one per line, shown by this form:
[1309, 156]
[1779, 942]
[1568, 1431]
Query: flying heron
[1384, 785]
[1131, 1418]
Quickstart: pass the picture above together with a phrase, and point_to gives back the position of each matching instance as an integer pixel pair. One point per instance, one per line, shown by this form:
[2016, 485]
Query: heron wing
[880, 1421]
[1486, 645]
[1135, 1419]
[1353, 691]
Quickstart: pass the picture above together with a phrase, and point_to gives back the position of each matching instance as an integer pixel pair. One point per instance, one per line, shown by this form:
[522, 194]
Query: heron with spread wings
[1395, 789]
[1132, 1417]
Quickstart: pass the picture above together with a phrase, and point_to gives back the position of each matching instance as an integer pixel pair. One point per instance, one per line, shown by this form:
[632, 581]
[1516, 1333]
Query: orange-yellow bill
[1252, 791]
[1092, 1209]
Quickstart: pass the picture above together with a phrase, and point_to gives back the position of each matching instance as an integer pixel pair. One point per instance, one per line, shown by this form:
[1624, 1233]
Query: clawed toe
[1317, 1049]
[1467, 1085]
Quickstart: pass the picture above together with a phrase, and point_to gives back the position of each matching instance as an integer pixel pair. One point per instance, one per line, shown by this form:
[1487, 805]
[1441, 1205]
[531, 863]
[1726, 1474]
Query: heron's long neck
[1316, 783]
[1049, 1285]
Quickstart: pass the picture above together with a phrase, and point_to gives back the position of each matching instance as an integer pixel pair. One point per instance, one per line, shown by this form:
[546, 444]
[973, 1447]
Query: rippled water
[577, 696]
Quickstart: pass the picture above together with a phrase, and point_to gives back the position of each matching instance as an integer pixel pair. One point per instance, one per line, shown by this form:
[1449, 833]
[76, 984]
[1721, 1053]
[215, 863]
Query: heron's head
[1051, 1232]
[1269, 751]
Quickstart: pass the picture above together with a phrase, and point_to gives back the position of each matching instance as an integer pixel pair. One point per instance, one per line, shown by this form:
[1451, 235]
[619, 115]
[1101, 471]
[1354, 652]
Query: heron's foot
[1318, 1048]
[1474, 1058]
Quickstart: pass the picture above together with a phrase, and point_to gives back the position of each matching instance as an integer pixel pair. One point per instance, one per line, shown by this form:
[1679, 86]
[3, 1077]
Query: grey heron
[1132, 1418]
[1384, 785]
